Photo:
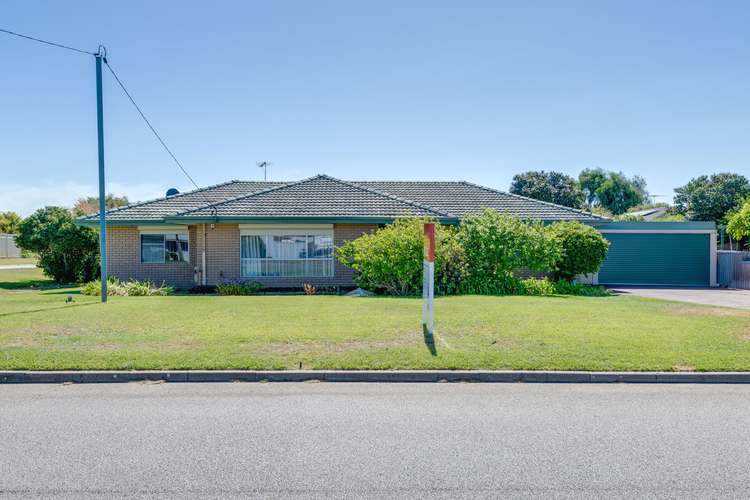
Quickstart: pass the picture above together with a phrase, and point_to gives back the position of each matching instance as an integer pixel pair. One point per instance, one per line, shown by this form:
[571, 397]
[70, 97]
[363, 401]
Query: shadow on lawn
[28, 285]
[429, 341]
[44, 309]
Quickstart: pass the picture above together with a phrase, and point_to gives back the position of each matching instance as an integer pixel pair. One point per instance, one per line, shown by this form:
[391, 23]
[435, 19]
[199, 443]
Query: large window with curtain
[286, 252]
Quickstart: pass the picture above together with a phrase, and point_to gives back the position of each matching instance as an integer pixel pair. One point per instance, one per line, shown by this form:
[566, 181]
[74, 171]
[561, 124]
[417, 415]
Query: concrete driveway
[709, 296]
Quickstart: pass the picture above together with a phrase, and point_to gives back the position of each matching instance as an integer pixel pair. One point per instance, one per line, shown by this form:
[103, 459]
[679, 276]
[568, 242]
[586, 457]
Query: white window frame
[288, 230]
[163, 231]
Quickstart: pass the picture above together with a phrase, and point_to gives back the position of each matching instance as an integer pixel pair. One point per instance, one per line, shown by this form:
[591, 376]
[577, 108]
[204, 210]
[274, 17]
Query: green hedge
[484, 255]
[390, 260]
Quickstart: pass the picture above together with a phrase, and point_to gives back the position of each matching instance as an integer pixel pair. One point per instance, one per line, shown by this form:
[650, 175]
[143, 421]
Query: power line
[166, 148]
[102, 54]
[54, 44]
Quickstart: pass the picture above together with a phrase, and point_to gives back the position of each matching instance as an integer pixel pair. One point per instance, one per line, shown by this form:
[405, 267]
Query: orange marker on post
[428, 279]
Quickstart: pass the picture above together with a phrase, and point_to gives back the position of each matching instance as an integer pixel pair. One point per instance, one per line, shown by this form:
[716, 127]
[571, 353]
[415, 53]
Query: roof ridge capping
[161, 198]
[571, 209]
[242, 196]
[389, 195]
[308, 179]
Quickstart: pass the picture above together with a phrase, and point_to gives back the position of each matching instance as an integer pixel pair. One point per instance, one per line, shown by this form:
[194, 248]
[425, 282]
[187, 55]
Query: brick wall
[222, 257]
[124, 259]
[222, 252]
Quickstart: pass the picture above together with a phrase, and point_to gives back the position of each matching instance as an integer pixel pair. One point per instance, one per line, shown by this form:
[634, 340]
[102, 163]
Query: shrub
[534, 286]
[582, 248]
[201, 289]
[738, 225]
[67, 253]
[497, 246]
[390, 259]
[564, 287]
[627, 217]
[236, 287]
[130, 288]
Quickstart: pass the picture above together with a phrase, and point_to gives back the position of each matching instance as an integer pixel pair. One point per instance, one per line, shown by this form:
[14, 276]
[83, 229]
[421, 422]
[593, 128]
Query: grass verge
[40, 330]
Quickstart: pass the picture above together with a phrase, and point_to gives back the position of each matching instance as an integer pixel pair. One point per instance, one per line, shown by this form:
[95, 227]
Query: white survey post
[428, 278]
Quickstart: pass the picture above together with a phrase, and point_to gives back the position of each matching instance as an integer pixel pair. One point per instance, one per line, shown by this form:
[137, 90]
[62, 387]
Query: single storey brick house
[283, 234]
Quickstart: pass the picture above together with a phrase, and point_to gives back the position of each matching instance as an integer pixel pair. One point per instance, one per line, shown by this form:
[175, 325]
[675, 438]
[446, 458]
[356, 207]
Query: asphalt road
[315, 440]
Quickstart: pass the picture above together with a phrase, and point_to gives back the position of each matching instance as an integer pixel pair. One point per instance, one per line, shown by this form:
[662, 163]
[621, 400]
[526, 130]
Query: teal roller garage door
[657, 259]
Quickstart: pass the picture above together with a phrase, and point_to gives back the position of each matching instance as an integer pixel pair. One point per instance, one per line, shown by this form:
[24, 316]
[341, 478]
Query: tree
[9, 222]
[582, 248]
[553, 187]
[612, 190]
[710, 198]
[590, 179]
[738, 222]
[67, 253]
[90, 204]
[498, 246]
[617, 194]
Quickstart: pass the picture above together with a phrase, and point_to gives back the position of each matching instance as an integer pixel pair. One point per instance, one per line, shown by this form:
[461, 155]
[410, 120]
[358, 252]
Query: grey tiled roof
[319, 196]
[462, 198]
[168, 206]
[323, 196]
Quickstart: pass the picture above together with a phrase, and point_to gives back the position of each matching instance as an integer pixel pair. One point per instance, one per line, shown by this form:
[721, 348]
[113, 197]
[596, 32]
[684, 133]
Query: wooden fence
[734, 269]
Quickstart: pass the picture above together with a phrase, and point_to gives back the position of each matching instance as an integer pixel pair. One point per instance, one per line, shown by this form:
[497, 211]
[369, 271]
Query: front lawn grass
[40, 331]
[14, 279]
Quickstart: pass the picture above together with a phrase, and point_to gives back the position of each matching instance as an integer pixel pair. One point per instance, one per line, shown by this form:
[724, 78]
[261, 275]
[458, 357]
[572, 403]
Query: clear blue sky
[372, 90]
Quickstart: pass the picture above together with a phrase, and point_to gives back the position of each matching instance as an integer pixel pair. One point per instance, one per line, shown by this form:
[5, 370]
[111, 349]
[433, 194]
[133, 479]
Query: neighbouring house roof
[326, 198]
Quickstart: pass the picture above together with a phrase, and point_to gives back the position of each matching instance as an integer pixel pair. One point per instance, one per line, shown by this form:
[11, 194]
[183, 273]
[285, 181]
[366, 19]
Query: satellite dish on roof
[172, 192]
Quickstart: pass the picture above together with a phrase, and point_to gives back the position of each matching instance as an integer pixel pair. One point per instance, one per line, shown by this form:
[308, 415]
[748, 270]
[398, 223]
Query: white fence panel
[734, 269]
[8, 246]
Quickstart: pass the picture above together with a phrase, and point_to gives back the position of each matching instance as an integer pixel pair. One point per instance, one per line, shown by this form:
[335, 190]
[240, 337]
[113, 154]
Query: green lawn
[11, 279]
[39, 330]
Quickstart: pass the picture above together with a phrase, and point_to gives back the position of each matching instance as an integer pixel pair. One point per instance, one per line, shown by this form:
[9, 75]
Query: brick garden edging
[57, 377]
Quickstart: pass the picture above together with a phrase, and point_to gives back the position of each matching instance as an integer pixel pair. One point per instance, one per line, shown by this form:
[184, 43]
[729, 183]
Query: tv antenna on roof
[264, 165]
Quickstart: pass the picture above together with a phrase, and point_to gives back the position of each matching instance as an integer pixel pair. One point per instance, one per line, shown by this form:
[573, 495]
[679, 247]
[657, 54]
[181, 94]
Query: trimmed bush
[130, 288]
[534, 286]
[582, 249]
[390, 259]
[236, 287]
[497, 246]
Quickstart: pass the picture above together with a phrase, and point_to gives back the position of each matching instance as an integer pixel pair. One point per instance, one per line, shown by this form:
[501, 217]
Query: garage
[659, 254]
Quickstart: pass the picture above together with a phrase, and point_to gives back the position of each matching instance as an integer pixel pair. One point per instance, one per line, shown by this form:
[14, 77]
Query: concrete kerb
[403, 376]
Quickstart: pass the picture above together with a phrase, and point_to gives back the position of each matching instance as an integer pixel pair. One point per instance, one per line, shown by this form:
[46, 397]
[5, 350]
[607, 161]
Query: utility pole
[264, 165]
[99, 56]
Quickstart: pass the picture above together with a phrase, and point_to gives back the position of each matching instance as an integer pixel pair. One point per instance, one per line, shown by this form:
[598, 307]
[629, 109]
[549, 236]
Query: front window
[287, 253]
[168, 247]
